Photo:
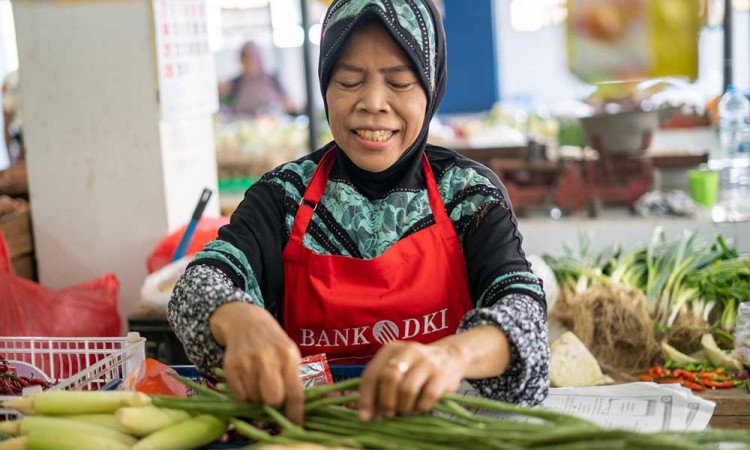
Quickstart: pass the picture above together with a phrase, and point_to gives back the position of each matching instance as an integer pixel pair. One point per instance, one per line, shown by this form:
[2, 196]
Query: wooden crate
[17, 231]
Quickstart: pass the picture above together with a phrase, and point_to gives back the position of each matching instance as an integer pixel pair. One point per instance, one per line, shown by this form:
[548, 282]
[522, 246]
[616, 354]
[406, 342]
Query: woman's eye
[396, 85]
[349, 85]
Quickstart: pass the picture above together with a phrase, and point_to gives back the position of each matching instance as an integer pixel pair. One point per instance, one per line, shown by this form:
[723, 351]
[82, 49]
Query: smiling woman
[379, 248]
[376, 105]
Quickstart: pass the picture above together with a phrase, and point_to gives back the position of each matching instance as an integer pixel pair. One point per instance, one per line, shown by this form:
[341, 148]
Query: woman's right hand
[261, 363]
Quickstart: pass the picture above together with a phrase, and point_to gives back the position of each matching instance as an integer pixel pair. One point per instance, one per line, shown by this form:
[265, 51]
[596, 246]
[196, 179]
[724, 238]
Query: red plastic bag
[206, 231]
[29, 309]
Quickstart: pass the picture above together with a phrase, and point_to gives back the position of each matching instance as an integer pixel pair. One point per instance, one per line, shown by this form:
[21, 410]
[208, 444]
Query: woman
[377, 247]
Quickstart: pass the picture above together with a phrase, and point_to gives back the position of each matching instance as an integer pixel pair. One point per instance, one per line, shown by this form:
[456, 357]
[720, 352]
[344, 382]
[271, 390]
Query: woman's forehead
[372, 43]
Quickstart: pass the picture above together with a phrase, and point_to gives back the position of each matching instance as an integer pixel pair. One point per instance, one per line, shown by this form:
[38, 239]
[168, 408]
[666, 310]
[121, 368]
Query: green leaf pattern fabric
[351, 9]
[406, 16]
[376, 225]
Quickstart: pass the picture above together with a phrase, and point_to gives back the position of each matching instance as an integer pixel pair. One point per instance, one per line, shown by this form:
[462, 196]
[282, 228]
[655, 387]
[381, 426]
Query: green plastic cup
[704, 186]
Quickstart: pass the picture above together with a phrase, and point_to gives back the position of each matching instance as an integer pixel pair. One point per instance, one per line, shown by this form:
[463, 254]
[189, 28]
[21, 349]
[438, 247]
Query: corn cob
[30, 424]
[56, 403]
[191, 433]
[144, 420]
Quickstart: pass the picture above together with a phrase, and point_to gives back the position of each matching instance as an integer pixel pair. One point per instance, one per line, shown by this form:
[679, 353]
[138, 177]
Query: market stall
[647, 295]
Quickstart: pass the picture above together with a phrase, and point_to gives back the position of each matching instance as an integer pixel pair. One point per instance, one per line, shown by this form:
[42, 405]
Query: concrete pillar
[112, 166]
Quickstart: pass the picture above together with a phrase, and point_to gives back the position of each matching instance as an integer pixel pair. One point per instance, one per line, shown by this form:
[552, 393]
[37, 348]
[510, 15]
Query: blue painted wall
[472, 56]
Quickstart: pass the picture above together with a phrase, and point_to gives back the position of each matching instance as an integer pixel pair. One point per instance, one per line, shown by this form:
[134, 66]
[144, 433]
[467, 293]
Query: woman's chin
[374, 163]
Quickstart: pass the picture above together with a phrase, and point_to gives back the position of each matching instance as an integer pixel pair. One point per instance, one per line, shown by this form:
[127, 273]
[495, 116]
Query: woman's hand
[261, 362]
[408, 377]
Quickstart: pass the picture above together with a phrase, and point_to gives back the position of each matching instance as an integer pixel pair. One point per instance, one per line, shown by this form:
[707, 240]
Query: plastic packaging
[29, 309]
[154, 378]
[742, 333]
[732, 158]
[158, 286]
[734, 123]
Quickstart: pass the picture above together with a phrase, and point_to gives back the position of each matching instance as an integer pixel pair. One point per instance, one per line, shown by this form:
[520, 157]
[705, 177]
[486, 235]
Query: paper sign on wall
[187, 72]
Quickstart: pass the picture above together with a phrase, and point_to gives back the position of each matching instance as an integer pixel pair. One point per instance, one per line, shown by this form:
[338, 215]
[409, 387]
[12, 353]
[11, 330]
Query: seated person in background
[254, 91]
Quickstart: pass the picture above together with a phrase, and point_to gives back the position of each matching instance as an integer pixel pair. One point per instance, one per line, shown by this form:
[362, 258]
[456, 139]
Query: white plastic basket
[75, 363]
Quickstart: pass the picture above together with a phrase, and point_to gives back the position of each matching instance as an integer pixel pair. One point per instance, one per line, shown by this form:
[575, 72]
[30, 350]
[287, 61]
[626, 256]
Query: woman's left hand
[409, 377]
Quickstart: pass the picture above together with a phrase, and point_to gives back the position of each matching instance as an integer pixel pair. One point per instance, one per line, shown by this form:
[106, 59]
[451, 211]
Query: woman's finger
[234, 378]
[368, 387]
[250, 379]
[388, 385]
[410, 388]
[294, 395]
[270, 385]
[433, 389]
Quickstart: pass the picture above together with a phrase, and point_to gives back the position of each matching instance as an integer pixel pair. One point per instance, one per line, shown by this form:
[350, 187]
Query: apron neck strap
[317, 186]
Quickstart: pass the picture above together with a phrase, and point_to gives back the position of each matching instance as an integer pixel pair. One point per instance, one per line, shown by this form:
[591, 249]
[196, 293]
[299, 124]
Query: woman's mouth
[375, 135]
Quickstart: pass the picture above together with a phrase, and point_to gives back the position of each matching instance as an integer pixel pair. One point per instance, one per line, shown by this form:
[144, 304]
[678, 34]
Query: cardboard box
[17, 231]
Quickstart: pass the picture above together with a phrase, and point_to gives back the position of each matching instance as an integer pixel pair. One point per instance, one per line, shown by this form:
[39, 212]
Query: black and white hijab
[416, 27]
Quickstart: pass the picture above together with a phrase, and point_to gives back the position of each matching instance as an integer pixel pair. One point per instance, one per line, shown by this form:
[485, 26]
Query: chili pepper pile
[12, 384]
[698, 379]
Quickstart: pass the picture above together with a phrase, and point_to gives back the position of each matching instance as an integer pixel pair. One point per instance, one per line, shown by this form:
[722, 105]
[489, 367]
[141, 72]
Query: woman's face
[376, 105]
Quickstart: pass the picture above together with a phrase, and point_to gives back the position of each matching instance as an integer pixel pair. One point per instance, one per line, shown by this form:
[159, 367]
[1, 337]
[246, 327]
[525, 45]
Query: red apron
[348, 308]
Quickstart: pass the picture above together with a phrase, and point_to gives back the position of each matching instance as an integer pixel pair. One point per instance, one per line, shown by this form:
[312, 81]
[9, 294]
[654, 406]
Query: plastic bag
[207, 230]
[157, 288]
[29, 309]
[742, 333]
[154, 378]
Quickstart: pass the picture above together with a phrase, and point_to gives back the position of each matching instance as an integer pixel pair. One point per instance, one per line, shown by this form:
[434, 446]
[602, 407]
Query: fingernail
[364, 415]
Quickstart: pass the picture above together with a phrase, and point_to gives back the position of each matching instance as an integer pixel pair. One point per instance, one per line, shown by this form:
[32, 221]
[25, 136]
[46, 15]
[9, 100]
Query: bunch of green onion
[666, 273]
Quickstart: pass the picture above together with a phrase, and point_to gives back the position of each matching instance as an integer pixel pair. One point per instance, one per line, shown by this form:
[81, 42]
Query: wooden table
[732, 408]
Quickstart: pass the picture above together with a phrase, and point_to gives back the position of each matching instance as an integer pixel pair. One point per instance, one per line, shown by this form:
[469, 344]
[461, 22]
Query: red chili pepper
[693, 386]
[6, 387]
[710, 375]
[719, 384]
[667, 380]
[646, 377]
[686, 375]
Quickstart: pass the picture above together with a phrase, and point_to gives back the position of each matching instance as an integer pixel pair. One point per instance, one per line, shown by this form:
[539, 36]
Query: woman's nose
[374, 98]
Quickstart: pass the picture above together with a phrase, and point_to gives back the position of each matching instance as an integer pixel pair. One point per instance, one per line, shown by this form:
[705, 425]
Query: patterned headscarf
[414, 25]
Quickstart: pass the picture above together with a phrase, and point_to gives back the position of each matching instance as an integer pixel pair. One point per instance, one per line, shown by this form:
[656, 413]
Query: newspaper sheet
[643, 407]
